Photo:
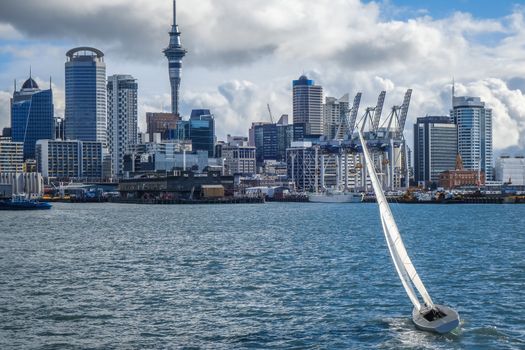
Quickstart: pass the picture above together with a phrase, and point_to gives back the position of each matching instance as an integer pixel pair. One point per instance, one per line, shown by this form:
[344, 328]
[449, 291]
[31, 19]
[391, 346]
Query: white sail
[404, 267]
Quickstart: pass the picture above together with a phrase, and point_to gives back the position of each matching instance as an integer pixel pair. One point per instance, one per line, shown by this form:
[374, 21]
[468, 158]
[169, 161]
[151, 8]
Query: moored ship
[334, 196]
[22, 203]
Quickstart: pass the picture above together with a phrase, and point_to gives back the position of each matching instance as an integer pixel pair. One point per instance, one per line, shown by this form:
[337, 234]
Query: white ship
[334, 196]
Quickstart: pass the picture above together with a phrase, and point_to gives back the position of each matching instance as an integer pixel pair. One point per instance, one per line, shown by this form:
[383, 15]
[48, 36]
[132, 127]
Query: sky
[243, 55]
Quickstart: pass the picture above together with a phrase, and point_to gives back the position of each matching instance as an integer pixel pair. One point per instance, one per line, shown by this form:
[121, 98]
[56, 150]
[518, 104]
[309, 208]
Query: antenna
[453, 91]
[30, 75]
[15, 85]
[50, 83]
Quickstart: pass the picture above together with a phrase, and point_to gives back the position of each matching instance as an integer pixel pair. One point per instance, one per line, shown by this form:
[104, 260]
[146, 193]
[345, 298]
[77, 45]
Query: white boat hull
[335, 198]
[442, 325]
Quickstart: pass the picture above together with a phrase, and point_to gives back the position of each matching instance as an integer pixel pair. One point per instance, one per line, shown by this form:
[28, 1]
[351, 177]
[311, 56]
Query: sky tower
[175, 53]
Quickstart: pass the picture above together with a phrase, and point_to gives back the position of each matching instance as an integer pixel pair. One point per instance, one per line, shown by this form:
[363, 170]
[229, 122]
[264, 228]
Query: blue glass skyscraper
[85, 115]
[200, 129]
[32, 116]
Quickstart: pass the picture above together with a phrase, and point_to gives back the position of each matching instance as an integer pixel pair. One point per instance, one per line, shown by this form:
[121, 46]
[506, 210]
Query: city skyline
[245, 71]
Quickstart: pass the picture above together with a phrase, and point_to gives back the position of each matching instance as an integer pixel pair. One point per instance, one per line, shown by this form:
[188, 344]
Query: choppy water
[282, 276]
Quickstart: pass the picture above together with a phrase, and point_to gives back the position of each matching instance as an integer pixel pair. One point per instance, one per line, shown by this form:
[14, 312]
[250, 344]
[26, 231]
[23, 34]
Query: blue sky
[444, 8]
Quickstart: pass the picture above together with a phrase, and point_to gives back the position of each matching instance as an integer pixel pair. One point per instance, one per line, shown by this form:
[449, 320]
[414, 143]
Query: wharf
[228, 200]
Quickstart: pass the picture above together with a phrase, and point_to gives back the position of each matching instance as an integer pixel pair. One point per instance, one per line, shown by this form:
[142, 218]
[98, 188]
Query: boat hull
[335, 198]
[441, 325]
[25, 206]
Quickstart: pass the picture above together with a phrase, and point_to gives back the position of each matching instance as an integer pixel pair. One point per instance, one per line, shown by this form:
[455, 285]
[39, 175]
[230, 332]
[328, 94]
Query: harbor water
[256, 276]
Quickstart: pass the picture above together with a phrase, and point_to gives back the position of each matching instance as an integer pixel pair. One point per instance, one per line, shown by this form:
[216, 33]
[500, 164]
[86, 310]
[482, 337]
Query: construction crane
[404, 110]
[270, 112]
[378, 111]
[353, 114]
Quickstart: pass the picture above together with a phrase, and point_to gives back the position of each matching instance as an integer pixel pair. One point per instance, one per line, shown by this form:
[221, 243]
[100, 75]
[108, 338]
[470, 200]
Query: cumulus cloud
[244, 54]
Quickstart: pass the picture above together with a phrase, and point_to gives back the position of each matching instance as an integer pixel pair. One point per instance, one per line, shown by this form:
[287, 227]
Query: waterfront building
[122, 119]
[200, 129]
[308, 106]
[181, 186]
[435, 148]
[272, 140]
[334, 111]
[511, 170]
[32, 116]
[11, 157]
[31, 184]
[461, 177]
[70, 159]
[175, 53]
[161, 123]
[474, 123]
[86, 96]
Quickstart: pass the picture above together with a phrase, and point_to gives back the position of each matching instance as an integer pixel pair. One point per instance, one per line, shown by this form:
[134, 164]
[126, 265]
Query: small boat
[22, 203]
[334, 196]
[426, 316]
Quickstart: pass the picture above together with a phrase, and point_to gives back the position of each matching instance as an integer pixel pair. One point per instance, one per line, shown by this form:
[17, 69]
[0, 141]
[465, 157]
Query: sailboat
[426, 316]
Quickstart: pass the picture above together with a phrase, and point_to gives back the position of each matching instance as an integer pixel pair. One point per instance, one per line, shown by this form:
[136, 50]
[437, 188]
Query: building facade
[86, 96]
[474, 124]
[161, 123]
[511, 170]
[435, 148]
[31, 184]
[68, 159]
[334, 111]
[308, 106]
[122, 119]
[200, 129]
[32, 116]
[238, 159]
[272, 140]
[11, 157]
[461, 177]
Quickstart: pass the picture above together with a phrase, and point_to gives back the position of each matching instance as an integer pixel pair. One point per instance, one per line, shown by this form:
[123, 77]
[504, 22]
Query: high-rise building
[69, 159]
[122, 119]
[334, 111]
[308, 106]
[32, 116]
[11, 157]
[435, 148]
[175, 53]
[272, 140]
[161, 123]
[474, 123]
[511, 170]
[200, 129]
[85, 114]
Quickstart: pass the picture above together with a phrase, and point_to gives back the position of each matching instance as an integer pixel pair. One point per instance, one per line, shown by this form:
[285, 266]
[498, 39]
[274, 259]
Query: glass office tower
[85, 114]
[32, 116]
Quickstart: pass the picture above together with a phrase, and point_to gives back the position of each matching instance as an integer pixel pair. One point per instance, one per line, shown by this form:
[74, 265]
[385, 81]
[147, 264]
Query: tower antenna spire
[175, 52]
[453, 90]
[30, 75]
